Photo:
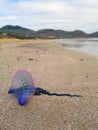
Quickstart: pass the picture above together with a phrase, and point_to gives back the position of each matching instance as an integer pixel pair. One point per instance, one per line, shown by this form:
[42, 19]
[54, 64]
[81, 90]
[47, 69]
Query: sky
[68, 15]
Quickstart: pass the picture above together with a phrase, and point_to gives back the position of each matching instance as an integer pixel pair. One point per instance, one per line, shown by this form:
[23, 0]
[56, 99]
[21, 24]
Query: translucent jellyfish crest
[22, 86]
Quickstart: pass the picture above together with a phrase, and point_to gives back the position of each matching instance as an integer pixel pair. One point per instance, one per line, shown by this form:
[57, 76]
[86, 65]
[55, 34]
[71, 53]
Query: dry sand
[55, 69]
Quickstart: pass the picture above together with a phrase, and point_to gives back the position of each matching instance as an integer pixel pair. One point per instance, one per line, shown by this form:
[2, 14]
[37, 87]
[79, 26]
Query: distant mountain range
[10, 31]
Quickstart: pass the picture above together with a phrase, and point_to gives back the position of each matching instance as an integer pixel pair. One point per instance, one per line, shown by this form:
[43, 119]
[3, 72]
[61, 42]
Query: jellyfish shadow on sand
[39, 91]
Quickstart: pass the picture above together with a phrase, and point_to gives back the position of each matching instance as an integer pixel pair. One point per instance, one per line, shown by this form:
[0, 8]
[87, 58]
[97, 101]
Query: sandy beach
[55, 69]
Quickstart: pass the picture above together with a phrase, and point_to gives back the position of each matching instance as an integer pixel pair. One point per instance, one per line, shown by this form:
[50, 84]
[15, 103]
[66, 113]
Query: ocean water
[87, 45]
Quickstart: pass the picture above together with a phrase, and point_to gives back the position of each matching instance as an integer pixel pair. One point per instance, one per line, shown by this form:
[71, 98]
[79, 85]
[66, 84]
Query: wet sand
[55, 69]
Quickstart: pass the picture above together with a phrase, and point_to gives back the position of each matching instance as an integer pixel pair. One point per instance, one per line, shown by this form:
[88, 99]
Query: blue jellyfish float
[22, 86]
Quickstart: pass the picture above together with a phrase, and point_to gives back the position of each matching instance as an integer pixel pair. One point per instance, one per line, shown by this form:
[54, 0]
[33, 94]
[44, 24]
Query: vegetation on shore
[10, 31]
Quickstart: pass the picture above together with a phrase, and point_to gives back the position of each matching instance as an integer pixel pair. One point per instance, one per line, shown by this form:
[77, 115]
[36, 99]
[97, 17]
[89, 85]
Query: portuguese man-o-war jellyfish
[22, 86]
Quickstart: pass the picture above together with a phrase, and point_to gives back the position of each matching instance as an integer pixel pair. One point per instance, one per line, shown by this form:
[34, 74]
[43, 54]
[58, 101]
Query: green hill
[17, 32]
[57, 34]
[10, 31]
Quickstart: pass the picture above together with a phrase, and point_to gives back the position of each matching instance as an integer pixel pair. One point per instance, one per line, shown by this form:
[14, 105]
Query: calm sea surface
[88, 45]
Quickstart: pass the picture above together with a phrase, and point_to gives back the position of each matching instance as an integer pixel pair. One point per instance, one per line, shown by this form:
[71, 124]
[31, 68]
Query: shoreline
[87, 45]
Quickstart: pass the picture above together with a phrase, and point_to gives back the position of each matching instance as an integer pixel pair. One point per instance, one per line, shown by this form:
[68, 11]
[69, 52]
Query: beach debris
[31, 59]
[22, 86]
[18, 58]
[81, 59]
[8, 66]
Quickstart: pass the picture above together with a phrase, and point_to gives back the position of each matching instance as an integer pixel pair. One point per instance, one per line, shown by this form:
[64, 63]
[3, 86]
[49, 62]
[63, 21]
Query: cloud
[57, 14]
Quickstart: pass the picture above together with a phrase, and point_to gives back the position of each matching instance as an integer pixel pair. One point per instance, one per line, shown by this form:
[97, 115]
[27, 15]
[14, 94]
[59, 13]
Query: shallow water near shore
[88, 45]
